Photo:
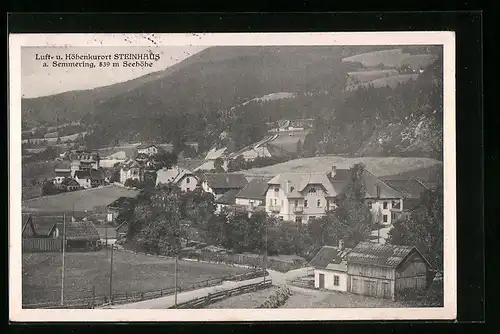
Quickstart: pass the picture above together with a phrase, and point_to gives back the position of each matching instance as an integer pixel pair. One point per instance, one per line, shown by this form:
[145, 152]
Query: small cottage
[330, 268]
[384, 270]
[81, 235]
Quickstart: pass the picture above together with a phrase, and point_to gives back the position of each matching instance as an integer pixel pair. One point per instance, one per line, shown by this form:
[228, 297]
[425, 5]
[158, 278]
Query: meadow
[41, 274]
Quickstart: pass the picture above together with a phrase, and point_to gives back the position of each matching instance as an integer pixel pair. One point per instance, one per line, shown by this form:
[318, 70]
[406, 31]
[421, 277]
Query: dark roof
[226, 180]
[255, 189]
[327, 255]
[411, 203]
[342, 175]
[81, 174]
[42, 225]
[83, 230]
[371, 183]
[384, 255]
[228, 198]
[70, 182]
[122, 202]
[408, 188]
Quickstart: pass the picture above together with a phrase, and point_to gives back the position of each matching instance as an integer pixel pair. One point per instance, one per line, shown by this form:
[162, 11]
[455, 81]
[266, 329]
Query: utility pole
[111, 277]
[265, 251]
[175, 280]
[63, 253]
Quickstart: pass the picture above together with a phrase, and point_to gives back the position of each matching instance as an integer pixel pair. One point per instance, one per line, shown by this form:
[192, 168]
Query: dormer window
[276, 189]
[312, 190]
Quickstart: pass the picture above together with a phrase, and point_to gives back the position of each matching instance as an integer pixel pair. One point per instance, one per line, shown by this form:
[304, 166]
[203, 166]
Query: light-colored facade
[331, 279]
[180, 177]
[385, 211]
[300, 197]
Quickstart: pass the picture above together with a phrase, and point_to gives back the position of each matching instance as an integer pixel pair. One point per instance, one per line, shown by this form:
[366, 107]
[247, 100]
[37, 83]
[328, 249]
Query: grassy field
[391, 82]
[81, 200]
[367, 76]
[379, 166]
[39, 170]
[131, 273]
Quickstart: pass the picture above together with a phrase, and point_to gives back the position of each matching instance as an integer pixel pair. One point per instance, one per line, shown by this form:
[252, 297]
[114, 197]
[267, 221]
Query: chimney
[334, 170]
[341, 244]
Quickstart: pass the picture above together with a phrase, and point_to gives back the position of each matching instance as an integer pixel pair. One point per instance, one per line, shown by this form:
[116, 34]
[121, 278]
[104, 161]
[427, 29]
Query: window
[312, 190]
[275, 201]
[318, 203]
[296, 202]
[281, 218]
[393, 215]
[298, 220]
[305, 203]
[291, 189]
[369, 205]
[312, 217]
[385, 205]
[187, 180]
[187, 189]
[276, 189]
[336, 280]
[385, 218]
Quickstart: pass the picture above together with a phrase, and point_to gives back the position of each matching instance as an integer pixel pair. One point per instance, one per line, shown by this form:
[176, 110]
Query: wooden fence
[41, 245]
[132, 297]
[252, 261]
[215, 297]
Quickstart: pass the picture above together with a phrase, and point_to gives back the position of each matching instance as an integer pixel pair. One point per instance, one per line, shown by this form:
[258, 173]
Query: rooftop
[328, 255]
[82, 230]
[228, 198]
[226, 180]
[255, 189]
[299, 181]
[384, 255]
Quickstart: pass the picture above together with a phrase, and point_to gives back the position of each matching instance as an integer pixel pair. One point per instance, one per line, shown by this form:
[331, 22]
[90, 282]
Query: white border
[447, 39]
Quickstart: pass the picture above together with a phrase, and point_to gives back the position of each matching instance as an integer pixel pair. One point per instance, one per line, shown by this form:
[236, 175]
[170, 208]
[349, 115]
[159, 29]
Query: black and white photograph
[278, 176]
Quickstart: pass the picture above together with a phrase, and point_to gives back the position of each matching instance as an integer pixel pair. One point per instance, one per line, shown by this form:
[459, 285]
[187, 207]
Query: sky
[41, 81]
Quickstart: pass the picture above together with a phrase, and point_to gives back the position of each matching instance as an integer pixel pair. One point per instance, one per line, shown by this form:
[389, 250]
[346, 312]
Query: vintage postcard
[284, 176]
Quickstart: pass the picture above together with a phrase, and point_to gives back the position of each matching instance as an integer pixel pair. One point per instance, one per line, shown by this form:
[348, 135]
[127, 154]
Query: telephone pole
[265, 251]
[63, 253]
[111, 277]
[175, 280]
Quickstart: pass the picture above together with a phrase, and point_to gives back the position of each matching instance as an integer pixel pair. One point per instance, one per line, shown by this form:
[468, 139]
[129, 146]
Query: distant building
[253, 195]
[62, 170]
[71, 184]
[131, 169]
[220, 183]
[226, 200]
[81, 235]
[177, 176]
[147, 149]
[89, 178]
[330, 268]
[383, 271]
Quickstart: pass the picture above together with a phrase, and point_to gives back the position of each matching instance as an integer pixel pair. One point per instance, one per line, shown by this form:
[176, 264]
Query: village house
[119, 210]
[70, 184]
[330, 268]
[62, 170]
[300, 197]
[131, 169]
[220, 183]
[147, 149]
[89, 178]
[180, 177]
[384, 270]
[253, 195]
[411, 190]
[226, 200]
[40, 226]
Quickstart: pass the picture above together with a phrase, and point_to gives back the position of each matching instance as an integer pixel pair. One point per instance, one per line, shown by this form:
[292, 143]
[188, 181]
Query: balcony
[298, 209]
[275, 208]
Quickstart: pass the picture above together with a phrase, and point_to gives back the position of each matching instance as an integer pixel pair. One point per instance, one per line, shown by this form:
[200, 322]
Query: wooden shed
[384, 270]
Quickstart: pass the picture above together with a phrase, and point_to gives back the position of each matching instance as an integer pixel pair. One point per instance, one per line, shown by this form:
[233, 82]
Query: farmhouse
[40, 227]
[147, 149]
[177, 176]
[253, 194]
[330, 268]
[220, 183]
[384, 270]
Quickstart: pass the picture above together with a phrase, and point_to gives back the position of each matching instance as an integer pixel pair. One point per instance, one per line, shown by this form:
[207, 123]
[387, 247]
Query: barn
[384, 270]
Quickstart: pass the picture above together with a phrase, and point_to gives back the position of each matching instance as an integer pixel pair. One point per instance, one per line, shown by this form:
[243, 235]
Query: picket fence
[41, 245]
